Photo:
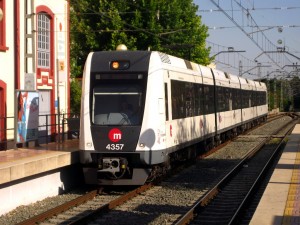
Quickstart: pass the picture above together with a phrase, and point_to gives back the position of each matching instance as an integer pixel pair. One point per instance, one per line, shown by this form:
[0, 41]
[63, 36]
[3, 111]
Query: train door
[168, 110]
[44, 115]
[2, 119]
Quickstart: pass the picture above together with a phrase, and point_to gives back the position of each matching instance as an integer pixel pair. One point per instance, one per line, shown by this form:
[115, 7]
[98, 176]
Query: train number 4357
[114, 147]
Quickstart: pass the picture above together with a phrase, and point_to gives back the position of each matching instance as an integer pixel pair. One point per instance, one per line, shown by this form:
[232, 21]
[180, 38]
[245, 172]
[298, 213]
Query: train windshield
[117, 105]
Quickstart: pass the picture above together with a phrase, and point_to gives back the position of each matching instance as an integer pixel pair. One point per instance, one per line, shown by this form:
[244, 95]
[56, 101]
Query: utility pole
[29, 66]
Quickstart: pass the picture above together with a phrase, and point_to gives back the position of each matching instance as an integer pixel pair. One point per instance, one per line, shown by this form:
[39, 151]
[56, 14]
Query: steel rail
[185, 219]
[61, 208]
[113, 204]
[258, 181]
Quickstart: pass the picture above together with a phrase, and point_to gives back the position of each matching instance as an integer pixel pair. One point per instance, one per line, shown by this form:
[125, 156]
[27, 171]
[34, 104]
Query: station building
[34, 58]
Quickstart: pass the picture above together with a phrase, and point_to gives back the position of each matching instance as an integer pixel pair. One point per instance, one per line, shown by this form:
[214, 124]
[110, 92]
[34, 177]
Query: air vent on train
[164, 58]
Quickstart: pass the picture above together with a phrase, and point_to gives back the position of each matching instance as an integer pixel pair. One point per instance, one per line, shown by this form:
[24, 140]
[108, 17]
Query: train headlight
[115, 65]
[120, 65]
[89, 144]
[142, 145]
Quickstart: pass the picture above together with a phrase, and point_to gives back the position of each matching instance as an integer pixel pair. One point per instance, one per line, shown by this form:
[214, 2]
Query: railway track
[165, 203]
[79, 210]
[225, 203]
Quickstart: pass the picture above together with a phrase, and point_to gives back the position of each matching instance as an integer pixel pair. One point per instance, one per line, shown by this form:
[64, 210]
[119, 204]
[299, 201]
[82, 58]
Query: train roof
[226, 79]
[247, 84]
[260, 86]
[141, 61]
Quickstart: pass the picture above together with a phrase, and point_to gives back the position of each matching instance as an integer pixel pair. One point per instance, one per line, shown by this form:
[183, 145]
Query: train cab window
[116, 105]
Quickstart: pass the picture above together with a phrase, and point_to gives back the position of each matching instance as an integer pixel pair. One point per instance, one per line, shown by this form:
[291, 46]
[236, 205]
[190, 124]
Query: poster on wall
[27, 116]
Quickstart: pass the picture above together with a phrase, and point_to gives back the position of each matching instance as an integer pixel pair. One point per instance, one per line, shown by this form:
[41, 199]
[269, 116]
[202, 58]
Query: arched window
[43, 42]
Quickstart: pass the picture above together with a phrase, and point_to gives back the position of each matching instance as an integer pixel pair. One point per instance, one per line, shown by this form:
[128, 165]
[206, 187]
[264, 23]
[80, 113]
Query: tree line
[169, 26]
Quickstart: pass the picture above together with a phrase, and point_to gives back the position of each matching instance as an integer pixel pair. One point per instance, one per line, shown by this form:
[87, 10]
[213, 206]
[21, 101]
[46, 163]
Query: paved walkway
[24, 162]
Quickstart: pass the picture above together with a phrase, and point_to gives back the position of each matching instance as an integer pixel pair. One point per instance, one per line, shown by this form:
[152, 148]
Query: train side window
[189, 99]
[230, 103]
[238, 98]
[255, 98]
[235, 104]
[206, 99]
[212, 99]
[247, 99]
[226, 99]
[209, 99]
[250, 98]
[262, 98]
[198, 99]
[182, 95]
[244, 98]
[201, 103]
[176, 102]
[265, 98]
[220, 99]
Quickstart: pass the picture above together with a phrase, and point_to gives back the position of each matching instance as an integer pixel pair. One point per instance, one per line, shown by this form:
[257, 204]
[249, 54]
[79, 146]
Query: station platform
[20, 163]
[280, 204]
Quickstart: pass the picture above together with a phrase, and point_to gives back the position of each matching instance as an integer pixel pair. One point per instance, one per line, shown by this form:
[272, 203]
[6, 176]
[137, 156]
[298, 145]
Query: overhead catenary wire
[250, 9]
[259, 38]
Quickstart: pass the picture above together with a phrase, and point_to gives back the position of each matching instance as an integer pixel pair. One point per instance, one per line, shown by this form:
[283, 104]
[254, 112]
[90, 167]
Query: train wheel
[202, 147]
[218, 139]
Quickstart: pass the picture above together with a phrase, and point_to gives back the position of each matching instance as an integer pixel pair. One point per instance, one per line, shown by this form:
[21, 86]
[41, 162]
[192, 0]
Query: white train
[143, 110]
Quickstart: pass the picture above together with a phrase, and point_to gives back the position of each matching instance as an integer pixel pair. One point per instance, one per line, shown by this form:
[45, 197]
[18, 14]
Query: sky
[269, 24]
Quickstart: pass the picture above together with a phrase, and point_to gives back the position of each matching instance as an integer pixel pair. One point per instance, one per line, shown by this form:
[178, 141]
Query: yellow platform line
[292, 210]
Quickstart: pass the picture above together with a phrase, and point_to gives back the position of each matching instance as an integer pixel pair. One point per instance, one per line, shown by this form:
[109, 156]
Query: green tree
[170, 26]
[95, 26]
[75, 96]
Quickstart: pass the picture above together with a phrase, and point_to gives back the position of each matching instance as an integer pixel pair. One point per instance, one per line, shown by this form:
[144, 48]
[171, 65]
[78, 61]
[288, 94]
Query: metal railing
[52, 128]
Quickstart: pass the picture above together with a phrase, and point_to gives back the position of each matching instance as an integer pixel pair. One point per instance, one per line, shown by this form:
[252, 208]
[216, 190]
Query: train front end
[112, 106]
